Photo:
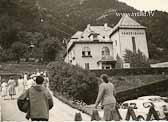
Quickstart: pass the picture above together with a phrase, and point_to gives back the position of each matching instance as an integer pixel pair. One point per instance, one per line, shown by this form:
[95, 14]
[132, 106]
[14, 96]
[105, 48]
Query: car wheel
[140, 118]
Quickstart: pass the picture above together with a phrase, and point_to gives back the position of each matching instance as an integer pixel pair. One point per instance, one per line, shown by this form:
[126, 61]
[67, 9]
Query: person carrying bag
[36, 101]
[23, 103]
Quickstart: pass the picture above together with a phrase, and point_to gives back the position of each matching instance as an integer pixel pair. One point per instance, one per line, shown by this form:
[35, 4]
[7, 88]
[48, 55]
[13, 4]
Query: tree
[18, 49]
[30, 37]
[136, 60]
[50, 48]
[6, 55]
[73, 81]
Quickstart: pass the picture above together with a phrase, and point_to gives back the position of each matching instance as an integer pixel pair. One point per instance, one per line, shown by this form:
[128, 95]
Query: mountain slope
[79, 13]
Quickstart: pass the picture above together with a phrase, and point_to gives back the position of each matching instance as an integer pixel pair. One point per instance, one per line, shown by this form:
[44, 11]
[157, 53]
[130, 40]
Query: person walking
[106, 96]
[20, 85]
[40, 101]
[11, 87]
[4, 87]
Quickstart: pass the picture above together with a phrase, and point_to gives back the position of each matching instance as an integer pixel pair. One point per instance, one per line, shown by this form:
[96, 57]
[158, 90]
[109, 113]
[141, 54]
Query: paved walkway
[59, 113]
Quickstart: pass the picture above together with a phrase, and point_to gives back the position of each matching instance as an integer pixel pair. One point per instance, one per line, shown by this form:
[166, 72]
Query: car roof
[136, 101]
[148, 97]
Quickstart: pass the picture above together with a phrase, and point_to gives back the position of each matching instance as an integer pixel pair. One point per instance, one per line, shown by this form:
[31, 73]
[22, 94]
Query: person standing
[20, 85]
[4, 87]
[30, 83]
[11, 87]
[40, 101]
[106, 96]
[25, 81]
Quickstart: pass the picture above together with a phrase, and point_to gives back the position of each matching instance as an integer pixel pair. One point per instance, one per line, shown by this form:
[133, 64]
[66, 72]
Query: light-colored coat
[106, 94]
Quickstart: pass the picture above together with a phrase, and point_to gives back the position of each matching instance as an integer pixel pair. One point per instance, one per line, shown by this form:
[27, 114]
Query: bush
[73, 81]
[136, 59]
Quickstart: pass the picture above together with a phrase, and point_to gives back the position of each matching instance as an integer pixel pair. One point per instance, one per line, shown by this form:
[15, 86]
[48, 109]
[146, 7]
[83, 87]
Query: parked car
[140, 107]
[158, 101]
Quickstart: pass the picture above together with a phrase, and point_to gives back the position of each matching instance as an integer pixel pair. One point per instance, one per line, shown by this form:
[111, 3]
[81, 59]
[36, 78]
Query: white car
[158, 101]
[140, 107]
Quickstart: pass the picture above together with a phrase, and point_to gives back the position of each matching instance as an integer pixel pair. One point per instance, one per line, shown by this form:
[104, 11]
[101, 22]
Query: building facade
[98, 47]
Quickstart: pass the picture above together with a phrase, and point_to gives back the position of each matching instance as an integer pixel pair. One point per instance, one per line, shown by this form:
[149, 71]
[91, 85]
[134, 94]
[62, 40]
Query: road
[59, 113]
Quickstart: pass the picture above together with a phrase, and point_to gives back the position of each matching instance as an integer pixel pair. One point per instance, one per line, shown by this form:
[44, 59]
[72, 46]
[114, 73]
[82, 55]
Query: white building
[98, 47]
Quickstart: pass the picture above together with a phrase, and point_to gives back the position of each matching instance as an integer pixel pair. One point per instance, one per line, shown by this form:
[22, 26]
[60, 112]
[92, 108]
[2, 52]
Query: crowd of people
[17, 86]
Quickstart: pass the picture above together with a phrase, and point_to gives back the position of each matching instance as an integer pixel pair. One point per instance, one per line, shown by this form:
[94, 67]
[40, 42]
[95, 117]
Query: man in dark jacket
[40, 101]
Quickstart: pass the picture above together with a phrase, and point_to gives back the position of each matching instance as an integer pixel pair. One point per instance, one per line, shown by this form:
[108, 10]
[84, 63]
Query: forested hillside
[46, 21]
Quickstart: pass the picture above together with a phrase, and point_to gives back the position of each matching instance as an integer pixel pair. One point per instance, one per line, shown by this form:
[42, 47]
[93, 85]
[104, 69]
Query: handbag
[24, 104]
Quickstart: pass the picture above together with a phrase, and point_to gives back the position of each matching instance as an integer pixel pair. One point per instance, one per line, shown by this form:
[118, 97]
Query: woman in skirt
[11, 87]
[4, 87]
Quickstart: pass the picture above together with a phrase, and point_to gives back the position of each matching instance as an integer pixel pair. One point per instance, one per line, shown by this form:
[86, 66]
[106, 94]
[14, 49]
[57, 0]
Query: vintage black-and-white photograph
[83, 60]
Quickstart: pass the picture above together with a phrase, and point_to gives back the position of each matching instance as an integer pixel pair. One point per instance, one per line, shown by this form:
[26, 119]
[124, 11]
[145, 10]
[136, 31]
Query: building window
[86, 52]
[95, 37]
[134, 44]
[105, 51]
[87, 66]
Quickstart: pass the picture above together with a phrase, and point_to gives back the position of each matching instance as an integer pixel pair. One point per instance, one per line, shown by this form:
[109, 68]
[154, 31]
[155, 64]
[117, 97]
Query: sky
[148, 4]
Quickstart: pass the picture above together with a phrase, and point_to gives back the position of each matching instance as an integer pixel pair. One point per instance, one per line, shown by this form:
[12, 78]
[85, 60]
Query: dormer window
[95, 37]
[86, 52]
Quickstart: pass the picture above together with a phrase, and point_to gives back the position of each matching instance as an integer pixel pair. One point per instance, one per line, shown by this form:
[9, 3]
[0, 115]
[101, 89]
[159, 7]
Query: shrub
[73, 81]
[136, 60]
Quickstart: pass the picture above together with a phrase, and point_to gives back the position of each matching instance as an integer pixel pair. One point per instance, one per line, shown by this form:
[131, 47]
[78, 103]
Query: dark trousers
[39, 119]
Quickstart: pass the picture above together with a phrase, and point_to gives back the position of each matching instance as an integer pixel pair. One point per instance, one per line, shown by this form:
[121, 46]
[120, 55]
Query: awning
[107, 59]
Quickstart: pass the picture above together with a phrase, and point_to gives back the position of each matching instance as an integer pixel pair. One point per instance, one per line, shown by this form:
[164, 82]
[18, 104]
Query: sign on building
[126, 65]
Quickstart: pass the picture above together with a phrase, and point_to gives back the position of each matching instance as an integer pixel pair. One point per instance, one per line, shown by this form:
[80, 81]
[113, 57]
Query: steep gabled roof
[128, 23]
